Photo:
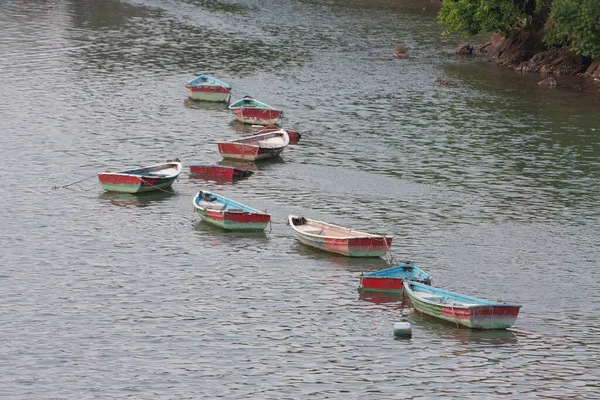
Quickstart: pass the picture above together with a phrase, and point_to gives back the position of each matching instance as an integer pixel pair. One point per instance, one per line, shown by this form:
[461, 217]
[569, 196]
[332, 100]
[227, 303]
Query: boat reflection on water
[450, 331]
[134, 200]
[205, 105]
[352, 264]
[206, 229]
[383, 298]
[239, 164]
[246, 129]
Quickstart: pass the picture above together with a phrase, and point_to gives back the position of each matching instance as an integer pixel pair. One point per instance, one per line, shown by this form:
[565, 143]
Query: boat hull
[218, 172]
[241, 151]
[228, 214]
[354, 247]
[481, 317]
[208, 93]
[391, 280]
[112, 182]
[235, 221]
[257, 116]
[476, 316]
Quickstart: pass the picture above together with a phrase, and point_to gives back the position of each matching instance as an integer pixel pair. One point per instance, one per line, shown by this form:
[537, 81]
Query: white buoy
[402, 329]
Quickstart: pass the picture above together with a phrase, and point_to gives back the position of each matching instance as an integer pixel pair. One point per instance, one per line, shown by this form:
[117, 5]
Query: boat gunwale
[234, 211]
[363, 235]
[217, 83]
[380, 273]
[263, 136]
[142, 175]
[481, 303]
[268, 107]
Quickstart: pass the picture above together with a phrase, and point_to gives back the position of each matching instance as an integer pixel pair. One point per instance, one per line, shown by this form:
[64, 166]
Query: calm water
[490, 184]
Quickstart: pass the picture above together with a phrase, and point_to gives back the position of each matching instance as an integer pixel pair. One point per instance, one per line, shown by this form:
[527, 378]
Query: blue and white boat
[467, 311]
[207, 88]
[390, 280]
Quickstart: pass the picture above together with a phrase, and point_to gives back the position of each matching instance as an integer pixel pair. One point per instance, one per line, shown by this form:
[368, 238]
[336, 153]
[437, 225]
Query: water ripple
[490, 184]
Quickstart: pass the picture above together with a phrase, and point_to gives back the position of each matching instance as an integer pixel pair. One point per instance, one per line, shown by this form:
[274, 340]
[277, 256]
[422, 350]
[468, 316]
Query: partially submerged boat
[391, 280]
[205, 87]
[146, 179]
[337, 239]
[228, 214]
[216, 172]
[256, 147]
[252, 111]
[471, 312]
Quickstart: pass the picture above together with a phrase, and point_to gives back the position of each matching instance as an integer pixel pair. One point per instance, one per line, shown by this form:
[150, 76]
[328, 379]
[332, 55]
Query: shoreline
[523, 51]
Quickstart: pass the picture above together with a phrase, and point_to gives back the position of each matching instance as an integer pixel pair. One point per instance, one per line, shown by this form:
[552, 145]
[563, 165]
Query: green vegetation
[573, 23]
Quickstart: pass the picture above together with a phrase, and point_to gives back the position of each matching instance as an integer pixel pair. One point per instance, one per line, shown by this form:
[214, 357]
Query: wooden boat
[154, 177]
[390, 280]
[462, 310]
[207, 88]
[337, 239]
[228, 214]
[252, 111]
[257, 147]
[218, 172]
[293, 135]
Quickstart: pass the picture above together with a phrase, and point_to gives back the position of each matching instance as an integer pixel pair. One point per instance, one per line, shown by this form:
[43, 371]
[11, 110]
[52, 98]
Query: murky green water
[490, 184]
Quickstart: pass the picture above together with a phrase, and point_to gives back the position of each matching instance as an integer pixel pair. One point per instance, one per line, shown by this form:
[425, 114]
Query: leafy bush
[574, 23]
[474, 16]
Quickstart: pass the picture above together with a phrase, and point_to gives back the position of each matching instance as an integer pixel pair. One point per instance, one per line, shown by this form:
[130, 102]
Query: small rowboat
[294, 135]
[228, 214]
[390, 280]
[207, 88]
[252, 111]
[337, 239]
[256, 147]
[154, 177]
[462, 310]
[218, 172]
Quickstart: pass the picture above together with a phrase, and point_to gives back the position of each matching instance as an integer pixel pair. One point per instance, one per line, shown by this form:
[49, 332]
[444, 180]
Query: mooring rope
[390, 259]
[454, 314]
[73, 183]
[156, 186]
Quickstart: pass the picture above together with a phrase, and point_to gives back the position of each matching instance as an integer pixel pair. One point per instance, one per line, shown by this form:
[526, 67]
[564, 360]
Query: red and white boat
[337, 239]
[146, 179]
[252, 111]
[219, 173]
[257, 147]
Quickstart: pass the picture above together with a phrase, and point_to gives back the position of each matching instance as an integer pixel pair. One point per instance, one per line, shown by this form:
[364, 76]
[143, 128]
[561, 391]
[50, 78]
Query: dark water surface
[490, 184]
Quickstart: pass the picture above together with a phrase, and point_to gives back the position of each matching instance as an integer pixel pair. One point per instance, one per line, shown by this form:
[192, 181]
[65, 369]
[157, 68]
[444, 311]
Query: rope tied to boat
[73, 183]
[390, 257]
[156, 186]
[454, 315]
